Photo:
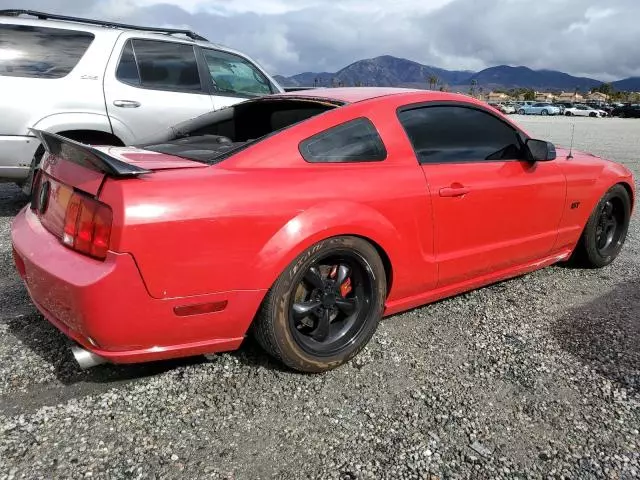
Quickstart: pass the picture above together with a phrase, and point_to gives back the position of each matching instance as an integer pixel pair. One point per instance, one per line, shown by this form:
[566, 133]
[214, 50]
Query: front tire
[544, 112]
[521, 112]
[606, 230]
[325, 307]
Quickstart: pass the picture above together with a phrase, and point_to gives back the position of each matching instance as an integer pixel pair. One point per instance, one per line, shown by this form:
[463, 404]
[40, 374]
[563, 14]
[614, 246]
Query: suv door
[151, 85]
[492, 209]
[233, 78]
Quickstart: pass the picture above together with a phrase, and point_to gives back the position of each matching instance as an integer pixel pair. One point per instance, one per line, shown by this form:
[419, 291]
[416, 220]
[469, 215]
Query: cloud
[581, 37]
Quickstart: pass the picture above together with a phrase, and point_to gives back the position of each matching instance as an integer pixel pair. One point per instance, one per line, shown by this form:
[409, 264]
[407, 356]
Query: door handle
[126, 103]
[454, 191]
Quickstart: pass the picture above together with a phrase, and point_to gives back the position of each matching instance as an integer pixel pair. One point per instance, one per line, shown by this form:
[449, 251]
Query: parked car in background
[302, 219]
[523, 103]
[539, 108]
[580, 110]
[502, 107]
[563, 106]
[506, 108]
[601, 106]
[106, 83]
[627, 111]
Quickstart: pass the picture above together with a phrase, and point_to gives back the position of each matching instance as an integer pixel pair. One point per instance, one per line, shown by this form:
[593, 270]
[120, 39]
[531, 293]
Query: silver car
[110, 84]
[539, 108]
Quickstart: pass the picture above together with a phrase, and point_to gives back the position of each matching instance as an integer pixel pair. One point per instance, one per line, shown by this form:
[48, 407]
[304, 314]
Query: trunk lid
[70, 166]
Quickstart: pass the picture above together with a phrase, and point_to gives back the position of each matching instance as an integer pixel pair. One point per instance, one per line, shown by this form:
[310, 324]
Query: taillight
[87, 226]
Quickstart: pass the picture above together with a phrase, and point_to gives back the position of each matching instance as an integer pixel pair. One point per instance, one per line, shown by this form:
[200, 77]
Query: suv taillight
[87, 226]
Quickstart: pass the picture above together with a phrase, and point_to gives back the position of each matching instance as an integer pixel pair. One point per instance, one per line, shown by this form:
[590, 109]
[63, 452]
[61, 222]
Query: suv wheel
[27, 184]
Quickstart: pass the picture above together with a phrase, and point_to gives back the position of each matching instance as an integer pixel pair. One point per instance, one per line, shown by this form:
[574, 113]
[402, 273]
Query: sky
[598, 39]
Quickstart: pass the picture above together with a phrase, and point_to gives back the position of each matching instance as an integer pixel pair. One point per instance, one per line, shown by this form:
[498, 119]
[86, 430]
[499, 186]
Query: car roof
[113, 31]
[359, 94]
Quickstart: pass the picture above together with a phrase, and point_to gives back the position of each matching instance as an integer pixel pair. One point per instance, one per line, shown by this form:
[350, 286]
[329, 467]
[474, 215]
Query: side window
[40, 52]
[459, 134]
[127, 71]
[159, 65]
[235, 75]
[353, 141]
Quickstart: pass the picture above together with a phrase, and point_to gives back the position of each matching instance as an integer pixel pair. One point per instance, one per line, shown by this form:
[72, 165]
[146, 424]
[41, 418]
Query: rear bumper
[16, 153]
[105, 307]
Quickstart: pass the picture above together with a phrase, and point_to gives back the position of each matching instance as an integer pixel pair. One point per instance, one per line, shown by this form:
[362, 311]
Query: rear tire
[593, 115]
[312, 321]
[544, 112]
[27, 185]
[568, 114]
[605, 231]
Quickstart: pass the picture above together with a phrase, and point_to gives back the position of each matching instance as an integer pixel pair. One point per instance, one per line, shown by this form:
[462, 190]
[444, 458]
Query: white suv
[105, 83]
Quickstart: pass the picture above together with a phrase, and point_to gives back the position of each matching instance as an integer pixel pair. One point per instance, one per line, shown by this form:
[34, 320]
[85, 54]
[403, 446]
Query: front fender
[612, 174]
[321, 222]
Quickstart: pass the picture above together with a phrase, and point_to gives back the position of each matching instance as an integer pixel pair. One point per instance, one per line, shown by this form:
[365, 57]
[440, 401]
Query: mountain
[387, 70]
[380, 71]
[305, 79]
[631, 84]
[504, 76]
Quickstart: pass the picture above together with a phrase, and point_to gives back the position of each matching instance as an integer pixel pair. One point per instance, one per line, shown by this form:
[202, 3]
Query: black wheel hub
[607, 229]
[329, 300]
[330, 304]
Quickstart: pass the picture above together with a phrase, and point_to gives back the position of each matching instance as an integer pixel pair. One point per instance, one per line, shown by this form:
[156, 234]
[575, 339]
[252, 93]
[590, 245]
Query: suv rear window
[40, 52]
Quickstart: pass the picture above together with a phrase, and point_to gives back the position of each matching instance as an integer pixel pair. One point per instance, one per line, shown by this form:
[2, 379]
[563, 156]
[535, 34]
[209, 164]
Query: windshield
[235, 75]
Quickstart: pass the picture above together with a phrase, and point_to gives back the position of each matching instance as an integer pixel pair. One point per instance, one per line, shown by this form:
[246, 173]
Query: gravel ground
[537, 377]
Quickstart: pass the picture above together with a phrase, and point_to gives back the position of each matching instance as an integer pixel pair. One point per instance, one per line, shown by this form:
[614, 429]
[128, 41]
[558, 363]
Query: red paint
[189, 234]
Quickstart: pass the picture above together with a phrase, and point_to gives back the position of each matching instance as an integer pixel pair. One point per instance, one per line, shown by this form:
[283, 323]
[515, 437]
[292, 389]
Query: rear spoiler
[86, 155]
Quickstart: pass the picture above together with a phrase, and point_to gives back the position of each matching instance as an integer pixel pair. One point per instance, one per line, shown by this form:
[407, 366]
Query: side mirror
[540, 150]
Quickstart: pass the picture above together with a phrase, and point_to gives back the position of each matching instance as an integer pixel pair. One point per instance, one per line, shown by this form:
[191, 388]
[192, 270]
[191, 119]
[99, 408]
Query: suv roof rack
[48, 16]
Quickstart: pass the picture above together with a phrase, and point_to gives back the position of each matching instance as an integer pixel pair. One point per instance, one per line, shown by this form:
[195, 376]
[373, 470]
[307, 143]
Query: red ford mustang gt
[302, 218]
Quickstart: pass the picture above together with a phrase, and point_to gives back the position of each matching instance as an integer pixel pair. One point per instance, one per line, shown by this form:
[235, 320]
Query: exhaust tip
[85, 358]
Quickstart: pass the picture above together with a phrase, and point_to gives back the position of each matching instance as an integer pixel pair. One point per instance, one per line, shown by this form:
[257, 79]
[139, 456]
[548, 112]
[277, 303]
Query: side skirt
[472, 284]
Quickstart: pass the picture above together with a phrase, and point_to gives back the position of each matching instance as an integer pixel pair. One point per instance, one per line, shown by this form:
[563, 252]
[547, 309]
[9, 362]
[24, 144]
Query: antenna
[573, 131]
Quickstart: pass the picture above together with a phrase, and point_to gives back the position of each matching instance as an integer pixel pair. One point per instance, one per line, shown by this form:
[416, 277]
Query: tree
[605, 88]
[472, 90]
[433, 81]
[529, 95]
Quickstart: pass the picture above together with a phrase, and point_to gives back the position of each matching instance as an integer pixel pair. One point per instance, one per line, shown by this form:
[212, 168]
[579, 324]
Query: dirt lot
[537, 377]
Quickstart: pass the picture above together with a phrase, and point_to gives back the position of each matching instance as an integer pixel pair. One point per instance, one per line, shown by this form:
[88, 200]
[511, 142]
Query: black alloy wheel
[331, 302]
[609, 227]
[325, 306]
[606, 229]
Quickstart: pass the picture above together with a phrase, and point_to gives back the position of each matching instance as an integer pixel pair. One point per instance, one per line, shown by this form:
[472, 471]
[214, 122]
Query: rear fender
[62, 122]
[319, 223]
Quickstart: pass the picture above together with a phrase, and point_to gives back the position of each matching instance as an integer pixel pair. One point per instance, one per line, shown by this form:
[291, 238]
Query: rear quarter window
[40, 52]
[353, 141]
